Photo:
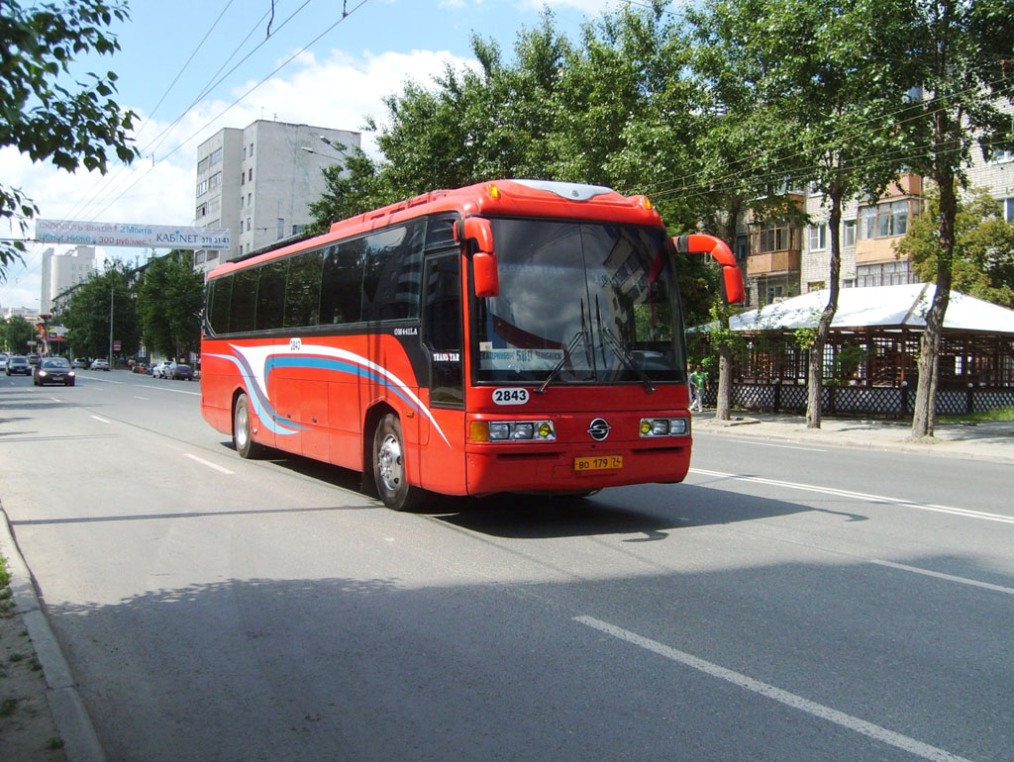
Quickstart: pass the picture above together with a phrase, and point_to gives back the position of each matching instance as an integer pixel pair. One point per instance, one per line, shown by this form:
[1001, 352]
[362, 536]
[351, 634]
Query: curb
[81, 744]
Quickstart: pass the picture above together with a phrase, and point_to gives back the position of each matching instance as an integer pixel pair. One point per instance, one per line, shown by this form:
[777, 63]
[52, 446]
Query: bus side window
[442, 328]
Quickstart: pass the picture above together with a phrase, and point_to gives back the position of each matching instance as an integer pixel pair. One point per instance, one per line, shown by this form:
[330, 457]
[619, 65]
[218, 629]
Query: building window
[885, 220]
[202, 187]
[818, 237]
[1008, 209]
[251, 149]
[774, 236]
[848, 233]
[250, 175]
[885, 274]
[999, 156]
[248, 224]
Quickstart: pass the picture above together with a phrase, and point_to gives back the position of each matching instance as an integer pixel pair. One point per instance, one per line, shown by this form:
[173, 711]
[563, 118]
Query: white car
[162, 370]
[100, 365]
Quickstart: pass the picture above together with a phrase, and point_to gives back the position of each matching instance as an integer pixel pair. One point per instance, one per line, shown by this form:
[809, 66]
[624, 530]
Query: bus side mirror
[733, 290]
[484, 265]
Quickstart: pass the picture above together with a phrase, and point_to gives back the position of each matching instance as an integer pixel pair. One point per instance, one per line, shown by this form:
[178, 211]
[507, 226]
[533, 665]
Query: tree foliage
[45, 115]
[983, 264]
[15, 333]
[170, 297]
[103, 310]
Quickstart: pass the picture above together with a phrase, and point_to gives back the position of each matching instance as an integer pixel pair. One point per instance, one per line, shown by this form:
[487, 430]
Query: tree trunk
[723, 402]
[815, 371]
[924, 415]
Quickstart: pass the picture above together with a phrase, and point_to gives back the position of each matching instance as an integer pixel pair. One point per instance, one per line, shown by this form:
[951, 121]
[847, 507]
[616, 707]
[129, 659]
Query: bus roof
[494, 198]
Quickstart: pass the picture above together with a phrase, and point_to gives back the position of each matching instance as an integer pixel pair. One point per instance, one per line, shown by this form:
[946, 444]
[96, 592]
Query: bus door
[442, 339]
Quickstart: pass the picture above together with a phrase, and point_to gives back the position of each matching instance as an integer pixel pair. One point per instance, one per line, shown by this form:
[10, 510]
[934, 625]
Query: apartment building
[785, 259]
[61, 272]
[260, 180]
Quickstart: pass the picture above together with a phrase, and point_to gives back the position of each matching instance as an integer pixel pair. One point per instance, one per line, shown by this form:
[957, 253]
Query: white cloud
[339, 91]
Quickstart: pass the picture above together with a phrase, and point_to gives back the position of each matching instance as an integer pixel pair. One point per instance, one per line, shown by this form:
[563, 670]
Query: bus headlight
[665, 427]
[512, 431]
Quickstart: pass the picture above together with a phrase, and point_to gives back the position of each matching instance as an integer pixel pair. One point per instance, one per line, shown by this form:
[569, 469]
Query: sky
[189, 68]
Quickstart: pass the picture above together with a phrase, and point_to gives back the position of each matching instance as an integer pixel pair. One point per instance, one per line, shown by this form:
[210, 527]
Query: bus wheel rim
[389, 462]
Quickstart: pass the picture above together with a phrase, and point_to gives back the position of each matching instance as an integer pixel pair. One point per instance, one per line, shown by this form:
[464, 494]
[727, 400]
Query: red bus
[509, 336]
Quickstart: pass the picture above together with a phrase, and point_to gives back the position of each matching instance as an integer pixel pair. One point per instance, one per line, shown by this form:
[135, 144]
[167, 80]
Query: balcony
[773, 263]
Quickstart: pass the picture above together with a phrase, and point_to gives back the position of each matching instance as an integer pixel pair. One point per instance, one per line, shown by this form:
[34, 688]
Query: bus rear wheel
[242, 439]
[389, 467]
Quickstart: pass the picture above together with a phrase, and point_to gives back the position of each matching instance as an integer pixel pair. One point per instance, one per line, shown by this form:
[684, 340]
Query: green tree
[961, 53]
[828, 107]
[170, 297]
[983, 264]
[16, 333]
[45, 116]
[354, 184]
[103, 310]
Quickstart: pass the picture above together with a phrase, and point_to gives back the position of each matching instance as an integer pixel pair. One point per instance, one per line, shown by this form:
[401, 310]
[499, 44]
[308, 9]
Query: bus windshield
[580, 302]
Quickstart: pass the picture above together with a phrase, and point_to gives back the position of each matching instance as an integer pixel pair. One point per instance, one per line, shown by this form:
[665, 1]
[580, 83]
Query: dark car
[18, 364]
[180, 372]
[53, 370]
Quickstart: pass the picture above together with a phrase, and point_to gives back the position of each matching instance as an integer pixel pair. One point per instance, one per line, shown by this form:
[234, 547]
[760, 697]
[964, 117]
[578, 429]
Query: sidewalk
[988, 440]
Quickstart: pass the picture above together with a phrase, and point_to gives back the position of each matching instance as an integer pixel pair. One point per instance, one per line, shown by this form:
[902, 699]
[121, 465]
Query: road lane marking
[948, 577]
[863, 496]
[139, 397]
[897, 740]
[101, 420]
[208, 463]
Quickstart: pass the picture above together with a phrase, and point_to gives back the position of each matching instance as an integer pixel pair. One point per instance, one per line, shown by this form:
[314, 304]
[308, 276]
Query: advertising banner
[130, 234]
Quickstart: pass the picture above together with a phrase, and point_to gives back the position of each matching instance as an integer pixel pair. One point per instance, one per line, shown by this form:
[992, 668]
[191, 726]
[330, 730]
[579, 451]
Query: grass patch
[1001, 414]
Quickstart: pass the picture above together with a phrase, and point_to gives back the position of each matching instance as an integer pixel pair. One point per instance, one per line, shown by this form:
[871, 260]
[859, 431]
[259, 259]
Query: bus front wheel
[242, 439]
[389, 467]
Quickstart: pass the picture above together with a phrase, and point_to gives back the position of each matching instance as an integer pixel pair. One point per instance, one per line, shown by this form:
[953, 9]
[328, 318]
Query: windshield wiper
[571, 346]
[620, 351]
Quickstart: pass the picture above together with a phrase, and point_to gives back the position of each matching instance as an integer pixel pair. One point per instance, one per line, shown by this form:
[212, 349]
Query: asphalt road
[786, 602]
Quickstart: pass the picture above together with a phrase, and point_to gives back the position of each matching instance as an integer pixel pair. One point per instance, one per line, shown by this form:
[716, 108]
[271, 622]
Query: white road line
[820, 711]
[948, 577]
[101, 420]
[208, 463]
[863, 496]
[139, 397]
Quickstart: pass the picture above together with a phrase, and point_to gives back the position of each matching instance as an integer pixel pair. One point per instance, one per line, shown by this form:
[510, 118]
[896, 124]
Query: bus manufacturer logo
[599, 429]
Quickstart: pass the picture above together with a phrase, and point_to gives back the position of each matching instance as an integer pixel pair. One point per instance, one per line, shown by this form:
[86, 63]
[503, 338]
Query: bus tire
[242, 438]
[389, 467]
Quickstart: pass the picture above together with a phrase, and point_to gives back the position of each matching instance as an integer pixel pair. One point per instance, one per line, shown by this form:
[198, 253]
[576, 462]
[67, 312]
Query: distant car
[180, 372]
[33, 359]
[53, 370]
[17, 364]
[161, 369]
[100, 364]
[79, 363]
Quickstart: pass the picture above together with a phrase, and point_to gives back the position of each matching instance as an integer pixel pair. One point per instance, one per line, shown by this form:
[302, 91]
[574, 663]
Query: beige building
[259, 182]
[785, 259]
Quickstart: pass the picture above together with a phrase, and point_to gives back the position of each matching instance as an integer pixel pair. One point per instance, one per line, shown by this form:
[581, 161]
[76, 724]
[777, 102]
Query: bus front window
[580, 303]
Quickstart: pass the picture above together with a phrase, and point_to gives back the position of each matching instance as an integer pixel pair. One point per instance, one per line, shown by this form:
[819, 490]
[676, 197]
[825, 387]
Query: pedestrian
[698, 381]
[691, 385]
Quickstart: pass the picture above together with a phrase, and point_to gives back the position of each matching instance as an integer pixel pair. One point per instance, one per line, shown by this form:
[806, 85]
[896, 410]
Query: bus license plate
[598, 463]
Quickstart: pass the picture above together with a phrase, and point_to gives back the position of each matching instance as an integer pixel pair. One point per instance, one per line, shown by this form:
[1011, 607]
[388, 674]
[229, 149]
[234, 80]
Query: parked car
[33, 359]
[100, 364]
[17, 364]
[53, 370]
[180, 372]
[79, 363]
[161, 369]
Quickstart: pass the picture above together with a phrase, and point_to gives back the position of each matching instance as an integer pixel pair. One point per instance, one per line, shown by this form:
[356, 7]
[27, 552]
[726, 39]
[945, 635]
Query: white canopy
[878, 307]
